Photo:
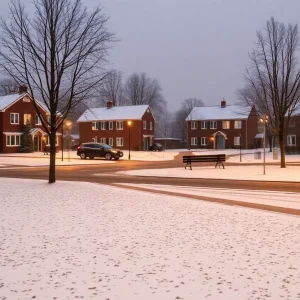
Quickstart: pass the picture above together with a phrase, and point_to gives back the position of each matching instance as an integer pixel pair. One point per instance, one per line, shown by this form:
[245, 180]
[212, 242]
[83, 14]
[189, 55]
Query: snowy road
[274, 198]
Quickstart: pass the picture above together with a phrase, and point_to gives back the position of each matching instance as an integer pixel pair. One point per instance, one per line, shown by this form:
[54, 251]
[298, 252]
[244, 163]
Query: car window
[105, 146]
[89, 145]
[98, 146]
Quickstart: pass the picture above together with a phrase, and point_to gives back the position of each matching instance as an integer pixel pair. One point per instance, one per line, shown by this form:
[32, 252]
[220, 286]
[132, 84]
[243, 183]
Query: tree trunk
[52, 156]
[282, 148]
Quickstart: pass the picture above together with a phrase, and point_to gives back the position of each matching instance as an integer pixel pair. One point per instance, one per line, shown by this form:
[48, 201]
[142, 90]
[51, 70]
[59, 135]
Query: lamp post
[129, 125]
[69, 125]
[62, 142]
[264, 120]
[240, 148]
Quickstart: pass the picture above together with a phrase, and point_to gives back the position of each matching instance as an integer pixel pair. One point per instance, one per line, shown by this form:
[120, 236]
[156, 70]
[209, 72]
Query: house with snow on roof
[222, 127]
[111, 125]
[15, 111]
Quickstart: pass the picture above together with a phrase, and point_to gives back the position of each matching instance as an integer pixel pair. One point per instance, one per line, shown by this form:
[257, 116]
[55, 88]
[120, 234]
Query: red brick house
[222, 127]
[110, 125]
[15, 111]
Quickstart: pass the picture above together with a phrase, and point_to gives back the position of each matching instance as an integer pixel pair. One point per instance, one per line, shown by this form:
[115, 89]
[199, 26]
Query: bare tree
[58, 54]
[111, 90]
[139, 89]
[8, 86]
[273, 78]
[186, 107]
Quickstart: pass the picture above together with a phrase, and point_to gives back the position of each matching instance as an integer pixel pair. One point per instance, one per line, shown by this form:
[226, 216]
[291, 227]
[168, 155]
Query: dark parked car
[92, 150]
[156, 147]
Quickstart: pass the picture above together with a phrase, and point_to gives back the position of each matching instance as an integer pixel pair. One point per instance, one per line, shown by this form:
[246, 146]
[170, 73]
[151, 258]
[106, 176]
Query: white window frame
[17, 140]
[48, 140]
[95, 126]
[119, 125]
[16, 118]
[193, 125]
[111, 141]
[103, 125]
[290, 138]
[237, 141]
[204, 141]
[144, 125]
[103, 140]
[237, 124]
[37, 120]
[214, 123]
[151, 126]
[119, 142]
[226, 122]
[194, 141]
[110, 125]
[26, 119]
[204, 124]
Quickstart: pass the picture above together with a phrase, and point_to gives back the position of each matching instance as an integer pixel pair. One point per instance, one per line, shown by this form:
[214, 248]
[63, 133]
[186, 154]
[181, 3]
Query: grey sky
[195, 48]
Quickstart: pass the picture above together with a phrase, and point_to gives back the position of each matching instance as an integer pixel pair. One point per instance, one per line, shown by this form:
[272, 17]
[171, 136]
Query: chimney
[223, 103]
[22, 89]
[109, 104]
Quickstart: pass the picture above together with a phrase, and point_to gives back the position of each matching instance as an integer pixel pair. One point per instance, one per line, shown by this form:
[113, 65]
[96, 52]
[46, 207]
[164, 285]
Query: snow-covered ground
[81, 240]
[71, 158]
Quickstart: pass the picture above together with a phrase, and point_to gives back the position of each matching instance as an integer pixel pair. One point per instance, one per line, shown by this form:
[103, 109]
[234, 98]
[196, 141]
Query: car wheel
[108, 156]
[82, 155]
[92, 157]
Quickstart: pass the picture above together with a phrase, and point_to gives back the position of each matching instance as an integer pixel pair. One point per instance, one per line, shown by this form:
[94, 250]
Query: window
[14, 118]
[291, 140]
[95, 126]
[47, 140]
[103, 125]
[194, 141]
[119, 125]
[237, 141]
[292, 122]
[144, 124]
[110, 141]
[119, 141]
[204, 125]
[213, 125]
[13, 140]
[27, 118]
[111, 125]
[37, 120]
[151, 128]
[194, 125]
[203, 141]
[103, 140]
[226, 124]
[237, 124]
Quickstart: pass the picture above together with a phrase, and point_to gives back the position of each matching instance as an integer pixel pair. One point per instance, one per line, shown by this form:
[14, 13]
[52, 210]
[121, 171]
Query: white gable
[133, 112]
[8, 100]
[213, 113]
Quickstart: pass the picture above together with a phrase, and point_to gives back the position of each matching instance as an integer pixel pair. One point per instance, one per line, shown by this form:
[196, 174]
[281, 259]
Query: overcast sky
[195, 48]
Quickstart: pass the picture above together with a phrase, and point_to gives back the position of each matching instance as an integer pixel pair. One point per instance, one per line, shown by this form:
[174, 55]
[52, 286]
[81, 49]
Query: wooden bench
[217, 158]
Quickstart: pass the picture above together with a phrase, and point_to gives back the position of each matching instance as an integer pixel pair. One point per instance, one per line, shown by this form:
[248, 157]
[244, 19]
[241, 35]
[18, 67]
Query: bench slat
[218, 158]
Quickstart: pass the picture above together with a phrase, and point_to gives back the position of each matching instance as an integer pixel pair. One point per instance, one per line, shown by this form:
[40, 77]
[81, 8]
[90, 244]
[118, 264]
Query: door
[221, 142]
[146, 143]
[36, 143]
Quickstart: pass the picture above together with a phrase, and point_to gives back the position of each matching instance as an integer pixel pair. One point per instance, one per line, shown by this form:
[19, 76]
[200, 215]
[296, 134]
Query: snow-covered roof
[133, 112]
[8, 100]
[213, 113]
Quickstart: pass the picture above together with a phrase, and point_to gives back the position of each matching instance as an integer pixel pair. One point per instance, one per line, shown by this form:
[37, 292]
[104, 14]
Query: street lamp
[264, 120]
[69, 125]
[129, 125]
